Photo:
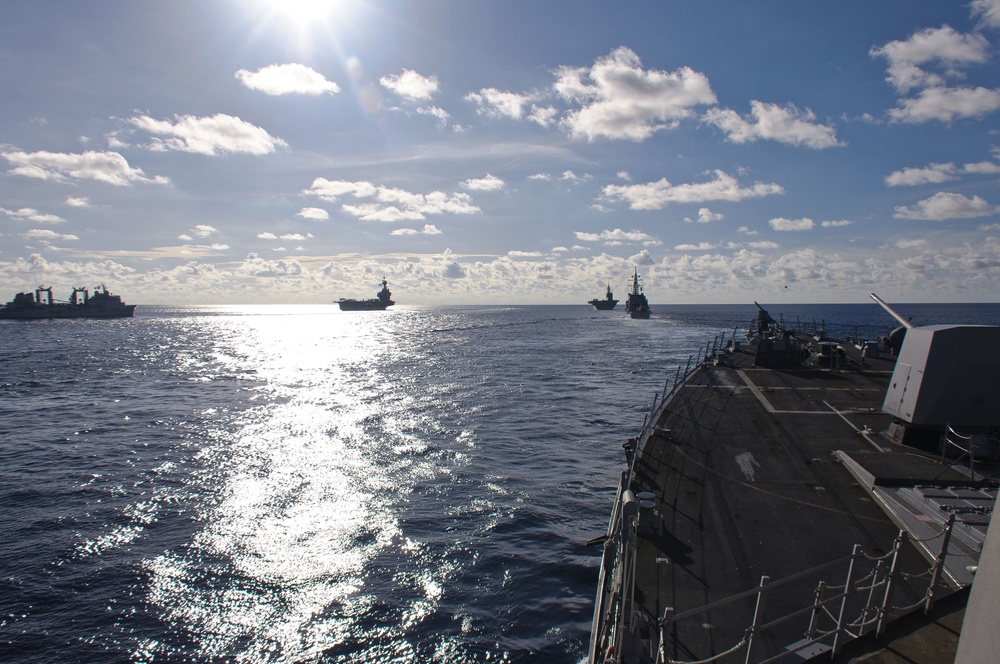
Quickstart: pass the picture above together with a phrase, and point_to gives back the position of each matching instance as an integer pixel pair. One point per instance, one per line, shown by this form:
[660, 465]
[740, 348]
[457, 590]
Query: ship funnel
[882, 303]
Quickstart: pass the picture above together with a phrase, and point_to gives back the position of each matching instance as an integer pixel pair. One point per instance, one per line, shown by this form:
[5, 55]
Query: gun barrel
[882, 303]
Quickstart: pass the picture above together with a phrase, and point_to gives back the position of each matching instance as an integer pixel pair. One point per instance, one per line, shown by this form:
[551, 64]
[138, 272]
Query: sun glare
[305, 11]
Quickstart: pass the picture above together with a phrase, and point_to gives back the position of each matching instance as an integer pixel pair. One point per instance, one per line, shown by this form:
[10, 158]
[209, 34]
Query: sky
[501, 152]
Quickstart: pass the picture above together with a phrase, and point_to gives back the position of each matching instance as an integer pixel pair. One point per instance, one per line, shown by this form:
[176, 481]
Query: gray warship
[82, 304]
[381, 301]
[636, 305]
[792, 496]
[607, 304]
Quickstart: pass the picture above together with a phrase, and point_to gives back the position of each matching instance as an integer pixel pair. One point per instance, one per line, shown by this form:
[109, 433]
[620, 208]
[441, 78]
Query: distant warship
[636, 306]
[607, 304]
[31, 306]
[382, 300]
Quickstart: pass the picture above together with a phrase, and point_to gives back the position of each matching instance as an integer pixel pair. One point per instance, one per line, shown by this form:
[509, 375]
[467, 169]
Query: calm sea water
[290, 484]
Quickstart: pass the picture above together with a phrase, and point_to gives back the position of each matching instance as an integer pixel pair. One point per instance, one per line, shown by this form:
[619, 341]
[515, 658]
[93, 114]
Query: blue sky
[223, 151]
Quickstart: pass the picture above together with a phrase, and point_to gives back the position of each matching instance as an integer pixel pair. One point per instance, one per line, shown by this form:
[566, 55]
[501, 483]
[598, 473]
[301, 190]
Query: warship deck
[749, 478]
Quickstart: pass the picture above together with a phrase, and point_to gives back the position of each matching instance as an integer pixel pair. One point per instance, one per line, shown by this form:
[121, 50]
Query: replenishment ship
[382, 300]
[636, 306]
[82, 304]
[792, 496]
[607, 304]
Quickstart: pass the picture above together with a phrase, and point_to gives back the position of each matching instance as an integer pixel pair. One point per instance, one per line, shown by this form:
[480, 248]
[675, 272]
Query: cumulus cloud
[933, 174]
[837, 223]
[705, 216]
[944, 205]
[499, 104]
[33, 215]
[204, 230]
[78, 201]
[214, 135]
[982, 168]
[256, 266]
[319, 214]
[946, 105]
[488, 183]
[782, 224]
[411, 85]
[429, 229]
[108, 167]
[267, 236]
[620, 100]
[947, 50]
[616, 236]
[701, 246]
[46, 235]
[390, 204]
[988, 12]
[784, 124]
[657, 195]
[943, 46]
[286, 79]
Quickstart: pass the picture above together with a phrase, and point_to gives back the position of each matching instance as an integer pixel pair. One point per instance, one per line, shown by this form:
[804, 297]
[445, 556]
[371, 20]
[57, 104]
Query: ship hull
[603, 305]
[65, 312]
[363, 305]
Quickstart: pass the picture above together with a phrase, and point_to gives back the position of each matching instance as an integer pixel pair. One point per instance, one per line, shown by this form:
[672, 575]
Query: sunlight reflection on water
[304, 484]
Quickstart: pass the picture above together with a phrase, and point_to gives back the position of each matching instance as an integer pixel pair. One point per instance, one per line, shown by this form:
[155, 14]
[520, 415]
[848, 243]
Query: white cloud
[109, 167]
[46, 235]
[616, 236]
[911, 244]
[944, 205]
[982, 167]
[390, 204]
[782, 224]
[440, 114]
[488, 183]
[525, 254]
[763, 245]
[624, 175]
[256, 266]
[411, 85]
[836, 223]
[204, 230]
[498, 104]
[784, 124]
[621, 100]
[943, 45]
[746, 231]
[297, 236]
[319, 214]
[988, 11]
[946, 105]
[33, 215]
[78, 201]
[657, 195]
[267, 236]
[701, 246]
[641, 258]
[184, 237]
[429, 229]
[933, 174]
[217, 134]
[286, 79]
[705, 216]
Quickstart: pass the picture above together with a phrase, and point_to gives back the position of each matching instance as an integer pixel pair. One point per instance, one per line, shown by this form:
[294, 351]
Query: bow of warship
[790, 496]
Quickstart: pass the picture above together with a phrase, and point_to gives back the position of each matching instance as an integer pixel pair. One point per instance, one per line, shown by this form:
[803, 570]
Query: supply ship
[636, 306]
[792, 496]
[82, 304]
[382, 300]
[607, 304]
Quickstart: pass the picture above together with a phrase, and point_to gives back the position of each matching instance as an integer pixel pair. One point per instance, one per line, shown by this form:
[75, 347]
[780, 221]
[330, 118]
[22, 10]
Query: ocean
[299, 484]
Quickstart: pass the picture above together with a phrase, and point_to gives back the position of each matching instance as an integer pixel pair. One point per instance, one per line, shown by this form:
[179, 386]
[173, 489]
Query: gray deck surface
[748, 484]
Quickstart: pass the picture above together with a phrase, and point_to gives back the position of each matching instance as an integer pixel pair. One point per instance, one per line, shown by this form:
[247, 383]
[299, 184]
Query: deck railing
[830, 623]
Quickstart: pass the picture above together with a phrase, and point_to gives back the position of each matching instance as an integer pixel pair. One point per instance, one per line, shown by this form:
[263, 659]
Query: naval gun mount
[945, 387]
